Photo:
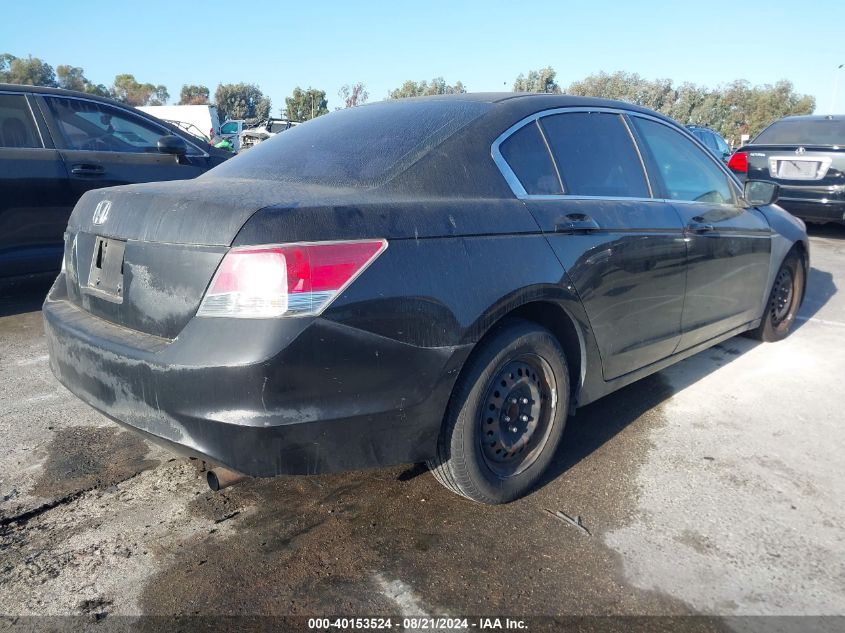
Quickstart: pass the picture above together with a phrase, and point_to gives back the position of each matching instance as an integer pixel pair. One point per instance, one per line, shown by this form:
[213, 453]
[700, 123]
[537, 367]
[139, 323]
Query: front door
[728, 245]
[104, 146]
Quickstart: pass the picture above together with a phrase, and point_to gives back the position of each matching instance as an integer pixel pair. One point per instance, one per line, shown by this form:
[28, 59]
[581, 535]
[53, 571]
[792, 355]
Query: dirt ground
[714, 487]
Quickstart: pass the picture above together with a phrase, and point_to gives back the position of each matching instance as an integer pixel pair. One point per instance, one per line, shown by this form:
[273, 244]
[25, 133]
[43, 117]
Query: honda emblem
[101, 211]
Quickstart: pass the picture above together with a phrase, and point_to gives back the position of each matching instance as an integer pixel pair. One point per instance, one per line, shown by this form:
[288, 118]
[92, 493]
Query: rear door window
[595, 155]
[687, 172]
[17, 127]
[528, 157]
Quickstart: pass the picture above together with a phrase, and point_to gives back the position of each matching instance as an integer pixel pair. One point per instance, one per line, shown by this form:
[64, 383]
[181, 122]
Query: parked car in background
[371, 288]
[254, 135]
[805, 155]
[199, 120]
[712, 140]
[55, 145]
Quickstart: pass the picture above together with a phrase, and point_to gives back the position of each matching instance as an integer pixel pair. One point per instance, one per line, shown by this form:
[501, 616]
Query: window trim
[519, 191]
[545, 143]
[32, 117]
[129, 113]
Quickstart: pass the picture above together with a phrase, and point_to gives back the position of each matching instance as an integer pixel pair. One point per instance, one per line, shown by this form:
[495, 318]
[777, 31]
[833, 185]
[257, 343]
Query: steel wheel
[784, 300]
[516, 417]
[783, 293]
[506, 415]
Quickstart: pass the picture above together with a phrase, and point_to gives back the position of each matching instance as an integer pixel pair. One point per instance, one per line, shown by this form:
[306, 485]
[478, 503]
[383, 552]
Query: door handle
[700, 227]
[87, 170]
[576, 223]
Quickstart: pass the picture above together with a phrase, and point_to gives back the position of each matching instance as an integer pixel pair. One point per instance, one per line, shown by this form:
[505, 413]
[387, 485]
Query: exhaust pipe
[219, 478]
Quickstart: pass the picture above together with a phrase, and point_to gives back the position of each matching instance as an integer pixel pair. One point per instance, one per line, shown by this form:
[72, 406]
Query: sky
[484, 44]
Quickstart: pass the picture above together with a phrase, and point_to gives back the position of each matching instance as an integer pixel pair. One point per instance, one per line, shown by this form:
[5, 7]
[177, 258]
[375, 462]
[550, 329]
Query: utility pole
[836, 74]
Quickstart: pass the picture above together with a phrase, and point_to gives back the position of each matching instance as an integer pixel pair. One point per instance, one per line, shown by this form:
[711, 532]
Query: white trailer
[199, 120]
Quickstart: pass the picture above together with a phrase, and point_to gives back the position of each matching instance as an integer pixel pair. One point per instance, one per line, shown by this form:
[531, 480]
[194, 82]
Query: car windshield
[803, 132]
[358, 146]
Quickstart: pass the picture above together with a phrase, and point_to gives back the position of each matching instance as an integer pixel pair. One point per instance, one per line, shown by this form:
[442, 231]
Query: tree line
[731, 109]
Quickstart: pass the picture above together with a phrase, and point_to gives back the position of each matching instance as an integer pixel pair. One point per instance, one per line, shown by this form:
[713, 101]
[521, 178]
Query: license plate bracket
[798, 169]
[792, 168]
[106, 274]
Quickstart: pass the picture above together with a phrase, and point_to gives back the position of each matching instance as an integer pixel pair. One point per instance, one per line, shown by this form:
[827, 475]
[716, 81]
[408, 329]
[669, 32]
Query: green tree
[6, 60]
[241, 101]
[129, 91]
[542, 80]
[193, 95]
[657, 95]
[353, 95]
[438, 86]
[733, 109]
[73, 78]
[29, 72]
[304, 105]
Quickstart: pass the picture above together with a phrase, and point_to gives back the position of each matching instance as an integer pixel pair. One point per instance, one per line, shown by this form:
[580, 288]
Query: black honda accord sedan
[441, 279]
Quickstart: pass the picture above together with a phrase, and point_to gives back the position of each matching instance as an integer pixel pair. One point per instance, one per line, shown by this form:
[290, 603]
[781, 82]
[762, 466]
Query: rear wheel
[784, 300]
[506, 417]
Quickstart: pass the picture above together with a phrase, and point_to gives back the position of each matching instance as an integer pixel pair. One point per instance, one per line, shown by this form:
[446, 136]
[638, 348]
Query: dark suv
[712, 140]
[57, 144]
[805, 155]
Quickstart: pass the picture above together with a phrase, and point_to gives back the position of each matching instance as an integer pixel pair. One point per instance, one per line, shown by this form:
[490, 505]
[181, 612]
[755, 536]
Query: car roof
[516, 105]
[55, 91]
[553, 100]
[814, 117]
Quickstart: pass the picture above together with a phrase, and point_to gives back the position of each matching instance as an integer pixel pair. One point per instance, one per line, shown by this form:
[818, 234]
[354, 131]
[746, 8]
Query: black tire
[784, 300]
[506, 416]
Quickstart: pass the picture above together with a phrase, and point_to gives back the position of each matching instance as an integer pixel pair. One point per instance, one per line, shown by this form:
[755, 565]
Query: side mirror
[759, 193]
[172, 144]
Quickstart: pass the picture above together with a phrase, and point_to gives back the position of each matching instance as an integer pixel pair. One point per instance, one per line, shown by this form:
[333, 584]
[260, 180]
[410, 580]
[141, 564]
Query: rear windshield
[803, 132]
[358, 146]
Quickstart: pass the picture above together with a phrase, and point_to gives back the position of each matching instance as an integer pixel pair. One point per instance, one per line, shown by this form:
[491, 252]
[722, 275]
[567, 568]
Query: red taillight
[286, 280]
[739, 162]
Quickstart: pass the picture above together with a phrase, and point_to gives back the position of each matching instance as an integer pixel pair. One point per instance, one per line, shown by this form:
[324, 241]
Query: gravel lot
[713, 487]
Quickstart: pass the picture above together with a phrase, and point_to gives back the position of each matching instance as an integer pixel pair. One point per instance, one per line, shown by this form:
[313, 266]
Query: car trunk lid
[141, 256]
[203, 211]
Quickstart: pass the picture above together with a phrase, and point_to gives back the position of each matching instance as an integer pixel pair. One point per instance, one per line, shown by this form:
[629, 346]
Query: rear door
[623, 249]
[35, 201]
[104, 145]
[728, 245]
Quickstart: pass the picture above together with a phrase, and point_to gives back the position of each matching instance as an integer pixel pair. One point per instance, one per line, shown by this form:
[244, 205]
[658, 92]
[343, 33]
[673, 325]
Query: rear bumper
[286, 396]
[819, 206]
